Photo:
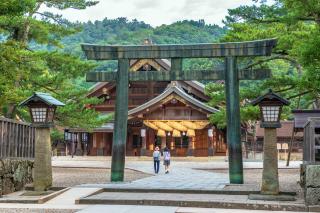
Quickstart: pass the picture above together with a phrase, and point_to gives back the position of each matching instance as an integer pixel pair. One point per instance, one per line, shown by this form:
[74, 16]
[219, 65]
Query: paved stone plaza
[178, 178]
[186, 173]
[205, 177]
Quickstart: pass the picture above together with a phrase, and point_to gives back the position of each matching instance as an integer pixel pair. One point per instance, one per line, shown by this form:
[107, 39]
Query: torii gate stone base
[231, 74]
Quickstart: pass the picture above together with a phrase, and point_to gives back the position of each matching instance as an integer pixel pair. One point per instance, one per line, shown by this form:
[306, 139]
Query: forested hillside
[126, 32]
[123, 31]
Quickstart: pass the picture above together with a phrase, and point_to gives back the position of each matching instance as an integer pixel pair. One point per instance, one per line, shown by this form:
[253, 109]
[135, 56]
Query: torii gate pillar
[233, 121]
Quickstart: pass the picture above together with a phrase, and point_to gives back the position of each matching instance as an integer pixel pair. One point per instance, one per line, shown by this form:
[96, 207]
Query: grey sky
[156, 12]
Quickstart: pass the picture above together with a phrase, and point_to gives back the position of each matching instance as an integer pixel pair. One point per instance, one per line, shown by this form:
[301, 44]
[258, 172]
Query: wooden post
[172, 144]
[121, 119]
[190, 146]
[270, 180]
[210, 146]
[163, 142]
[143, 150]
[42, 161]
[210, 141]
[233, 121]
[290, 146]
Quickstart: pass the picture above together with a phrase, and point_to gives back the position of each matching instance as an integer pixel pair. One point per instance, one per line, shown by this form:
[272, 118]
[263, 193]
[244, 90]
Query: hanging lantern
[143, 132]
[210, 132]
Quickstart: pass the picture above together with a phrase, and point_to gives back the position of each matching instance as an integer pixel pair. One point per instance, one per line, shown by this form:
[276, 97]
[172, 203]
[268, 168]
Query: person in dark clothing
[166, 159]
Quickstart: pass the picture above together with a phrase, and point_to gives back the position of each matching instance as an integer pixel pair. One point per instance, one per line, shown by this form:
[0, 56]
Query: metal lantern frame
[42, 113]
[42, 108]
[270, 105]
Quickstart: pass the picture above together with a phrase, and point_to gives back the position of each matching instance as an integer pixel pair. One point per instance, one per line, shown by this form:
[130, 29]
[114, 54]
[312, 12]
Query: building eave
[178, 91]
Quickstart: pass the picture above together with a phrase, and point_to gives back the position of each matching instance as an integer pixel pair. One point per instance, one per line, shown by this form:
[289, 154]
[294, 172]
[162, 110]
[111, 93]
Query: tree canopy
[294, 62]
[25, 69]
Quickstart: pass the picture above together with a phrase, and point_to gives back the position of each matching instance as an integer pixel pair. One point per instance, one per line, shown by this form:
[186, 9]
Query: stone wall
[310, 182]
[14, 174]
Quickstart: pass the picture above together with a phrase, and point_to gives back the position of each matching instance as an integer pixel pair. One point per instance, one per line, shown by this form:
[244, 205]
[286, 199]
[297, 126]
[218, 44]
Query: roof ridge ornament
[147, 41]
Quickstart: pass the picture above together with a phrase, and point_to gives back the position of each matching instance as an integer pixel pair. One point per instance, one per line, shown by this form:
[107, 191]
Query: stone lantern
[42, 107]
[270, 106]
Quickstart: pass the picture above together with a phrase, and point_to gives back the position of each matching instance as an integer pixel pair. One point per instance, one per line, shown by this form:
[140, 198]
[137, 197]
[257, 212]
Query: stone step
[190, 200]
[69, 197]
[228, 189]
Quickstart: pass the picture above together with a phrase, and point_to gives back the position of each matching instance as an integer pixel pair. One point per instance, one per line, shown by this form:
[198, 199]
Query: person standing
[156, 159]
[166, 159]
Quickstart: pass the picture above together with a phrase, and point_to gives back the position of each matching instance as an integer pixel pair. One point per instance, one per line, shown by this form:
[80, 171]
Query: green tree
[25, 69]
[295, 60]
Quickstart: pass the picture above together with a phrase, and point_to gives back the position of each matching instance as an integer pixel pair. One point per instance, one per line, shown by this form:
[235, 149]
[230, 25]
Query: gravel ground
[67, 177]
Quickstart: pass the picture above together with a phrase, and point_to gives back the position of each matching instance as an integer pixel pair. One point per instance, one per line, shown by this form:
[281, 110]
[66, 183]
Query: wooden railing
[17, 139]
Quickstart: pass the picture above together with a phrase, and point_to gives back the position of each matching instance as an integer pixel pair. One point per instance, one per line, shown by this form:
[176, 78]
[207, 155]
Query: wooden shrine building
[164, 113]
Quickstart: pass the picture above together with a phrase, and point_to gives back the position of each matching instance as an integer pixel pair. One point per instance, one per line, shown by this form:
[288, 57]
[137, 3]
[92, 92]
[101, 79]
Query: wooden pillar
[163, 142]
[73, 145]
[190, 146]
[79, 150]
[42, 160]
[172, 143]
[210, 142]
[210, 146]
[270, 179]
[143, 149]
[121, 119]
[233, 121]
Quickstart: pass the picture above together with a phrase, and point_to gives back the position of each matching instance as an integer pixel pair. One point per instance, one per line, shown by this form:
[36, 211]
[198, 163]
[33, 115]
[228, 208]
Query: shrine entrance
[231, 74]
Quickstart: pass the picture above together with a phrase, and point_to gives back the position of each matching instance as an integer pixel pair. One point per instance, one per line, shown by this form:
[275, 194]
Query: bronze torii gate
[231, 74]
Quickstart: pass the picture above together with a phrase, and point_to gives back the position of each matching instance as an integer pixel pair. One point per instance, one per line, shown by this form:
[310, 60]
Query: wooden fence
[17, 139]
[311, 140]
